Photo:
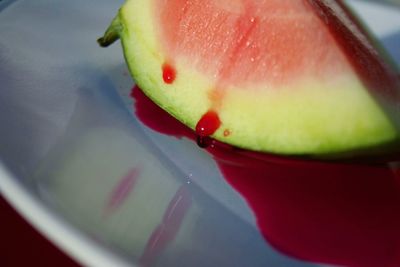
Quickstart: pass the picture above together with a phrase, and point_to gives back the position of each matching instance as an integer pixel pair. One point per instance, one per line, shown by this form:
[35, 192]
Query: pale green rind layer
[185, 99]
[308, 118]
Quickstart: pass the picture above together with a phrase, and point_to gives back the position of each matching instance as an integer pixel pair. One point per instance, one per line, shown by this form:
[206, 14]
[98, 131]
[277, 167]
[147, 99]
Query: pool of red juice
[338, 213]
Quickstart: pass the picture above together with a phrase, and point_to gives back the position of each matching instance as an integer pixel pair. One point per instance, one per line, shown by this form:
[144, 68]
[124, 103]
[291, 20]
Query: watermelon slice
[280, 76]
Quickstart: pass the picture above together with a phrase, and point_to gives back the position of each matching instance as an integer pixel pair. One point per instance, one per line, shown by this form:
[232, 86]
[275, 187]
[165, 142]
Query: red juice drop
[168, 73]
[344, 213]
[227, 132]
[208, 124]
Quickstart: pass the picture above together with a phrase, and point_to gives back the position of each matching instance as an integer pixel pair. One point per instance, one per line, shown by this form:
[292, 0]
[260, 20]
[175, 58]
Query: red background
[22, 245]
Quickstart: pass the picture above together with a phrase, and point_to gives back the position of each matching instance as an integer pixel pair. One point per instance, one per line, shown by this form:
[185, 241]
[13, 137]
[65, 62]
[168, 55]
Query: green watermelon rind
[309, 120]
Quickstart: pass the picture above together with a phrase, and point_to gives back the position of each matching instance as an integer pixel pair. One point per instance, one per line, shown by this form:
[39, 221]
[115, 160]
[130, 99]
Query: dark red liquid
[168, 73]
[22, 245]
[323, 212]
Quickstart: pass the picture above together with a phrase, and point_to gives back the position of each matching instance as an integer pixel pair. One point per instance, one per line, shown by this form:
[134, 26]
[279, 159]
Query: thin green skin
[144, 61]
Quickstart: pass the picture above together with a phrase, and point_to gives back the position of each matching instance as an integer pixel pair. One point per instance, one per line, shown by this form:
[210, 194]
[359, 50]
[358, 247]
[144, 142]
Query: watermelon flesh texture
[276, 74]
[245, 44]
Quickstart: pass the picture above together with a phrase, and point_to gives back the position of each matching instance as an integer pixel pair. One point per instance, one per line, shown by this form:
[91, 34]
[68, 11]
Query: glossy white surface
[68, 137]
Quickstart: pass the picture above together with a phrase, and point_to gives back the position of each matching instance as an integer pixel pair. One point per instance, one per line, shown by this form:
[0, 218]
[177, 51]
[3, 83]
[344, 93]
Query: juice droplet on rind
[208, 124]
[227, 132]
[168, 73]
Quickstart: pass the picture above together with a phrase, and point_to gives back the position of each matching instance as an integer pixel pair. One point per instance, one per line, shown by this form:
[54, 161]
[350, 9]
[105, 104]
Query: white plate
[68, 138]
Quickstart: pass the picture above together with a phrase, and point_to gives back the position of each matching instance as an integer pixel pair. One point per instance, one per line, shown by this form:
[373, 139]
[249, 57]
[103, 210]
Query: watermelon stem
[112, 33]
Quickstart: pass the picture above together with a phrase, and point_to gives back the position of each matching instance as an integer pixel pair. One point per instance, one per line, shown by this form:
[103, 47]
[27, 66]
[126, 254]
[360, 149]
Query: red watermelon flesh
[242, 42]
[287, 77]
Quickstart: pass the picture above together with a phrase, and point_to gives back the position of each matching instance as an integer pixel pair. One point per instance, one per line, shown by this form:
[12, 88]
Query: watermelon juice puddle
[334, 213]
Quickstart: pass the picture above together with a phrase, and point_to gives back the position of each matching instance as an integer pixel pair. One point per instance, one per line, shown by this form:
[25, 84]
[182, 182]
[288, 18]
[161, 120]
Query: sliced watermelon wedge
[281, 76]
